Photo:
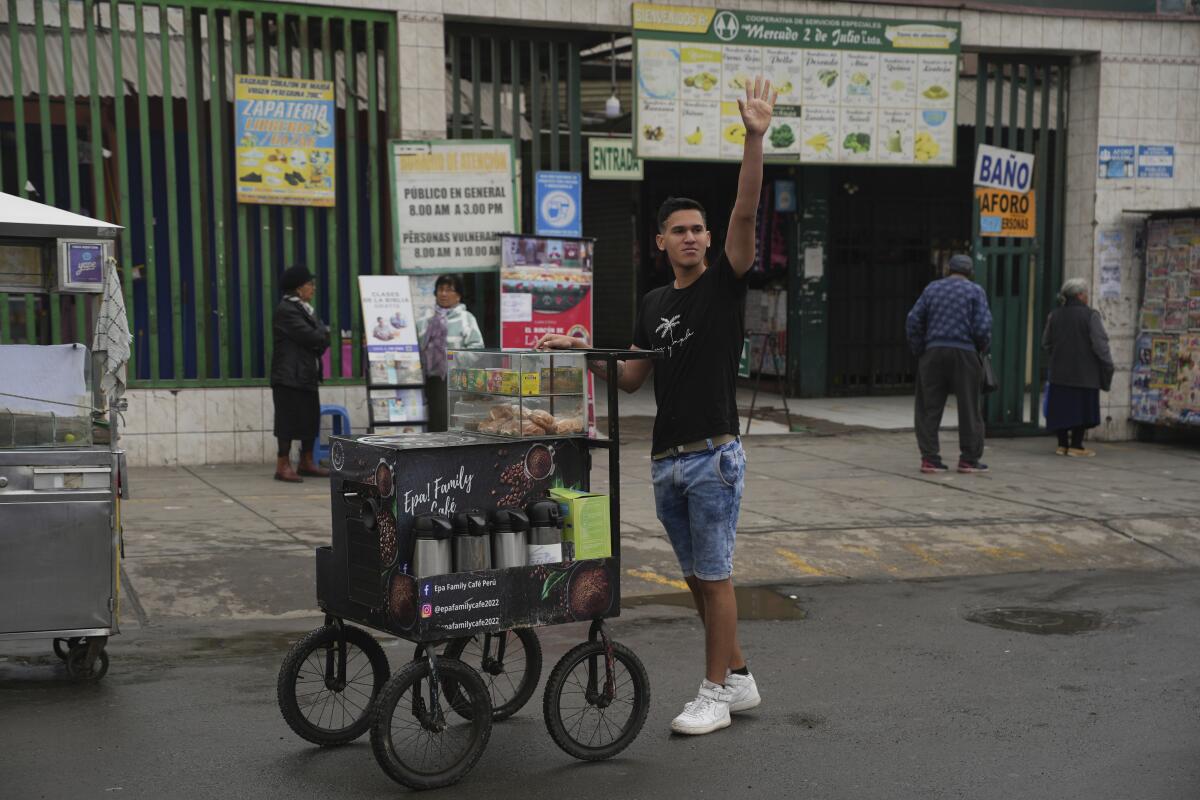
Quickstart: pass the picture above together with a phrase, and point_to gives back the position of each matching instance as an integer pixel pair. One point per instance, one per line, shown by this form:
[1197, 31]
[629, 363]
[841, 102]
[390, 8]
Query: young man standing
[698, 466]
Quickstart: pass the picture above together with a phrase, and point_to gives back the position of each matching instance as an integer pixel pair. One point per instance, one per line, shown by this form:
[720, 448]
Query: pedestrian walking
[449, 326]
[300, 338]
[1081, 366]
[698, 465]
[949, 330]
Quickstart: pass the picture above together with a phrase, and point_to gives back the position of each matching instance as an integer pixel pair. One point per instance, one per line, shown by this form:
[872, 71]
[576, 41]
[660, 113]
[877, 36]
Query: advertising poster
[850, 89]
[285, 140]
[451, 201]
[393, 358]
[545, 287]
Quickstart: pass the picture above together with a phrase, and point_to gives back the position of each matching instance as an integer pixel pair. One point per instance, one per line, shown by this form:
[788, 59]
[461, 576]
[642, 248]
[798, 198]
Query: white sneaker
[743, 692]
[707, 713]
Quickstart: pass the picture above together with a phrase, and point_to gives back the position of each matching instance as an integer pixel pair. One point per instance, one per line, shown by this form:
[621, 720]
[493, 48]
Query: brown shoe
[311, 468]
[284, 471]
[1060, 451]
[1080, 452]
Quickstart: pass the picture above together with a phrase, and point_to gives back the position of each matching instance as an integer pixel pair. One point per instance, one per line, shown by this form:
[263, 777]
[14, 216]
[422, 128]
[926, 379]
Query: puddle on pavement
[754, 603]
[1041, 621]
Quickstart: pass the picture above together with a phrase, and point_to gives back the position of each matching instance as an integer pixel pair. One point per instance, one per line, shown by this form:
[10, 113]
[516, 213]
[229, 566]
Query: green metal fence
[1022, 275]
[127, 114]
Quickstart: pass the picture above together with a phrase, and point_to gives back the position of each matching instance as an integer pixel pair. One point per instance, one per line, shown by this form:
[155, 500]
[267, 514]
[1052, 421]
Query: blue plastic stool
[340, 418]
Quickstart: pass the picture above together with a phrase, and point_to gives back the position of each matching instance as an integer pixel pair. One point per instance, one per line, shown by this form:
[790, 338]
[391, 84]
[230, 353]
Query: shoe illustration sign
[285, 141]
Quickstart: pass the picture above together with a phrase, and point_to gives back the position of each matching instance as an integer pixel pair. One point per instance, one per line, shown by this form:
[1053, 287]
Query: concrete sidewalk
[229, 542]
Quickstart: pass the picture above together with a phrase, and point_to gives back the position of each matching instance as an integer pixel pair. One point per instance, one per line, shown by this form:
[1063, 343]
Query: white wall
[187, 427]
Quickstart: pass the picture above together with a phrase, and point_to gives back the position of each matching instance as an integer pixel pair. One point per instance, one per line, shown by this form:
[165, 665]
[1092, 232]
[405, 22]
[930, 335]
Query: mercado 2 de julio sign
[851, 90]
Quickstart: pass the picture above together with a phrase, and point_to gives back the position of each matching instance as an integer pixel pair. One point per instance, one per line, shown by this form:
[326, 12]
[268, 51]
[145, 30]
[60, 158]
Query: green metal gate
[128, 116]
[1024, 98]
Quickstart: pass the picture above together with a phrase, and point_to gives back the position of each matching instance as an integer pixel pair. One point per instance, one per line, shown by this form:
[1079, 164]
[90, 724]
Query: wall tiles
[1131, 37]
[1171, 38]
[135, 416]
[1031, 32]
[1052, 33]
[160, 411]
[247, 447]
[218, 409]
[1072, 33]
[190, 411]
[535, 9]
[191, 448]
[220, 449]
[247, 409]
[1152, 38]
[134, 445]
[161, 451]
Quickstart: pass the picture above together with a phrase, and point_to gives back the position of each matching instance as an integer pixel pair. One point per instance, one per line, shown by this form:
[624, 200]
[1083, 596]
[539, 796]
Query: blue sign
[1116, 161]
[559, 203]
[785, 196]
[84, 262]
[1156, 161]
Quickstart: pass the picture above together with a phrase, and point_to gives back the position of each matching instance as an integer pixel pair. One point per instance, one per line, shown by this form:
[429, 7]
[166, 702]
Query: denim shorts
[698, 497]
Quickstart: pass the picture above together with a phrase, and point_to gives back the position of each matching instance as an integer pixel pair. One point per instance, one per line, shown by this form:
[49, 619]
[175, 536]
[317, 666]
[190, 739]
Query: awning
[28, 218]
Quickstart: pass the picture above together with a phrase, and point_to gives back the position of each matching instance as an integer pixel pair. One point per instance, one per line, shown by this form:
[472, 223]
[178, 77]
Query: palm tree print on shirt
[667, 328]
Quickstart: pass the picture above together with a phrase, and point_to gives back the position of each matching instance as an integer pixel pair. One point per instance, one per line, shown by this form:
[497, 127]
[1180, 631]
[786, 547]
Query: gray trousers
[942, 371]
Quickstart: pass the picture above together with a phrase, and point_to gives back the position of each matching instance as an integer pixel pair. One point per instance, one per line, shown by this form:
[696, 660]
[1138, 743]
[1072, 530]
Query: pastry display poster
[545, 287]
[436, 185]
[390, 333]
[285, 140]
[1165, 386]
[851, 90]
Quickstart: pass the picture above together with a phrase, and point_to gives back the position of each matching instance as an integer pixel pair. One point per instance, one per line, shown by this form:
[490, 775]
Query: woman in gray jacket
[1081, 365]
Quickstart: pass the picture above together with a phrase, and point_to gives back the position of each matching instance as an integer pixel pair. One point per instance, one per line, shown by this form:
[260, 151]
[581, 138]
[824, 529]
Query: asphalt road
[882, 690]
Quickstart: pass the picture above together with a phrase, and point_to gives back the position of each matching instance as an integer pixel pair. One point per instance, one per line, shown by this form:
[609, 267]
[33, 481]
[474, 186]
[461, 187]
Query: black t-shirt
[699, 331]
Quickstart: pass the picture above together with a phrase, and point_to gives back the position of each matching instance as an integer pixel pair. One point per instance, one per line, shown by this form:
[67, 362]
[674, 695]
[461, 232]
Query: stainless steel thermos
[545, 532]
[509, 538]
[472, 547]
[431, 554]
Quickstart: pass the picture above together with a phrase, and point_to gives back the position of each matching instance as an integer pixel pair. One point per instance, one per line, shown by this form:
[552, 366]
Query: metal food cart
[61, 471]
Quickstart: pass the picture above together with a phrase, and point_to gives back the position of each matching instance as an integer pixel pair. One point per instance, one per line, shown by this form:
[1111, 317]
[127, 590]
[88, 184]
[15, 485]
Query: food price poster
[851, 90]
[285, 136]
[451, 200]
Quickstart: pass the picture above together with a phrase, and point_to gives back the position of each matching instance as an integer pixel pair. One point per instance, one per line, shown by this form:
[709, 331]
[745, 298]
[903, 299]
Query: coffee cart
[517, 436]
[61, 472]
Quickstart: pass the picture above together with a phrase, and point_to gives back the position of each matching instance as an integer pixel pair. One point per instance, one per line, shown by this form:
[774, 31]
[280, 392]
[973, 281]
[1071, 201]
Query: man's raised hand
[756, 108]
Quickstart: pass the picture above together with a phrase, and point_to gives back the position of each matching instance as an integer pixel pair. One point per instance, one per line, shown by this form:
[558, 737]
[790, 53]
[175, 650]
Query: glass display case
[517, 393]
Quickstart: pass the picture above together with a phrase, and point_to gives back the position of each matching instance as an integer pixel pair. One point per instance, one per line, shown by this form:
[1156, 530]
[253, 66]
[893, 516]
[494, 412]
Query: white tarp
[45, 379]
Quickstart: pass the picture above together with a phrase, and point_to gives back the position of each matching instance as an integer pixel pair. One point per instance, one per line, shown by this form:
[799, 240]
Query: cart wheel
[583, 718]
[63, 646]
[510, 674]
[414, 740]
[80, 669]
[321, 705]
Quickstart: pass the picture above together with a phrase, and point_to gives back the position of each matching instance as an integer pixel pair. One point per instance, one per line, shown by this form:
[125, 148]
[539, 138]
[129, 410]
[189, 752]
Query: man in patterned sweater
[948, 329]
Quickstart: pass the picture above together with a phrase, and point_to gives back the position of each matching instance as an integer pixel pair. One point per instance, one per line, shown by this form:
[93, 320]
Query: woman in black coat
[299, 340]
[1081, 365]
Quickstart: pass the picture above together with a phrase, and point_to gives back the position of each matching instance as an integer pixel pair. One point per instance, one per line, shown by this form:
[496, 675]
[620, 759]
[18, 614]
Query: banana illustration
[818, 143]
[694, 138]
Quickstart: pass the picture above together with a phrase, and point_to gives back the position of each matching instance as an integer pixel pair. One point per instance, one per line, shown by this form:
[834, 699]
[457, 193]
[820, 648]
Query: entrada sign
[613, 160]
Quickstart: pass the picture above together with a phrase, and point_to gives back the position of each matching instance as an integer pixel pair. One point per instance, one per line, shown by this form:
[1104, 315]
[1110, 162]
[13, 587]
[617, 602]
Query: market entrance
[891, 231]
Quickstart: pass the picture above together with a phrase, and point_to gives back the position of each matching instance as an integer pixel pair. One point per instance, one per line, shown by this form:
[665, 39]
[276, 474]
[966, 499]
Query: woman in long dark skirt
[1081, 365]
[300, 338]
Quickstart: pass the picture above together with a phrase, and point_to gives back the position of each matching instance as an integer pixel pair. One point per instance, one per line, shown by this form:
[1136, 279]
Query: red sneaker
[932, 465]
[972, 466]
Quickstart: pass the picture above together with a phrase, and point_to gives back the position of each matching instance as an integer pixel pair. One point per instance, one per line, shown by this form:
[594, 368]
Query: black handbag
[988, 382]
